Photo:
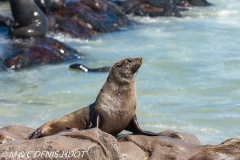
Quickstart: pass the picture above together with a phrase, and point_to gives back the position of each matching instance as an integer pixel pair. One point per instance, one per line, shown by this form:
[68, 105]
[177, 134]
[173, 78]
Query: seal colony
[29, 45]
[114, 109]
[32, 19]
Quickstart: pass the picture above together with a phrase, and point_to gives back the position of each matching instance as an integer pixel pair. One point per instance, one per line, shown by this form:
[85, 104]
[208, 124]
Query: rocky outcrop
[83, 19]
[227, 150]
[29, 52]
[165, 147]
[80, 19]
[96, 144]
[152, 8]
[86, 144]
[14, 133]
[130, 151]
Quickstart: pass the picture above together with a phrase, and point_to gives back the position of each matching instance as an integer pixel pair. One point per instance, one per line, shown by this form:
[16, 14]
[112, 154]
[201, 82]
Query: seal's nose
[140, 58]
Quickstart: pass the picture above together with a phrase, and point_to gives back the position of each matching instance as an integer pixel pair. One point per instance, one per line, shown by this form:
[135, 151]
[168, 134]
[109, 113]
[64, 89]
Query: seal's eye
[129, 60]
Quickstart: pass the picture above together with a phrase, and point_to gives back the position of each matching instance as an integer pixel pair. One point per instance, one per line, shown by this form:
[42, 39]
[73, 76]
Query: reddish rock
[14, 133]
[85, 144]
[29, 52]
[85, 18]
[165, 147]
[96, 144]
[227, 150]
[185, 136]
[130, 151]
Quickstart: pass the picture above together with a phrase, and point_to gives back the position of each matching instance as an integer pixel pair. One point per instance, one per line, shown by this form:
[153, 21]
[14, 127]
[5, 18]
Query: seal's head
[123, 71]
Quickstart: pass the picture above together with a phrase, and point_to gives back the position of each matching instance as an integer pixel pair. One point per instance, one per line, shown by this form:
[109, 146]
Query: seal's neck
[125, 94]
[123, 82]
[124, 88]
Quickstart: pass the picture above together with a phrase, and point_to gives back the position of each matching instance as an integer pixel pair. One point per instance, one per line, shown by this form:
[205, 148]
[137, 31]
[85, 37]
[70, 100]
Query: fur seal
[50, 5]
[114, 109]
[30, 21]
[81, 67]
[203, 3]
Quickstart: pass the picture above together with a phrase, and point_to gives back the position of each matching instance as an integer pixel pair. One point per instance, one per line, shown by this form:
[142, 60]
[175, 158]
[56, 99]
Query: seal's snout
[140, 59]
[137, 64]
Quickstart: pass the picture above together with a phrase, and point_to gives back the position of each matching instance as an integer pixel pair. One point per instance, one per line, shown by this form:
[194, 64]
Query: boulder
[130, 151]
[85, 144]
[85, 18]
[184, 136]
[172, 145]
[96, 144]
[14, 133]
[227, 150]
[22, 53]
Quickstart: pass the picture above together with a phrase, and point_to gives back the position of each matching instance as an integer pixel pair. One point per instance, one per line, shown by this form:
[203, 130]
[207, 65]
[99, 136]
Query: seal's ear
[117, 64]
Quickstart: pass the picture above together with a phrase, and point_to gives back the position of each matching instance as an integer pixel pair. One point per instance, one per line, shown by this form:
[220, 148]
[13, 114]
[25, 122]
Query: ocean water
[189, 80]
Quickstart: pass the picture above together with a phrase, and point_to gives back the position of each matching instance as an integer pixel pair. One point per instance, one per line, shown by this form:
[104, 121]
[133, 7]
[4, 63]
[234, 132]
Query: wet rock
[48, 6]
[33, 48]
[152, 8]
[227, 150]
[23, 53]
[86, 18]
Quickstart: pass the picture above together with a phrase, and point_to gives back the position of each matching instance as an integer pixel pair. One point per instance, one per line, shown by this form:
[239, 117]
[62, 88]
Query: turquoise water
[189, 80]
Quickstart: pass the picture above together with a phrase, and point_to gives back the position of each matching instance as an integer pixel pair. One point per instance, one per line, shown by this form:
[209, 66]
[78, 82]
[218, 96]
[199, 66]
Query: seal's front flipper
[94, 121]
[135, 129]
[36, 134]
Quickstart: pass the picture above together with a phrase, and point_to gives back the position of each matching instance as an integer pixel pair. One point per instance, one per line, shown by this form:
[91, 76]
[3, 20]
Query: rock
[33, 48]
[83, 19]
[85, 144]
[50, 5]
[185, 136]
[130, 151]
[29, 52]
[14, 133]
[96, 144]
[165, 147]
[152, 8]
[227, 150]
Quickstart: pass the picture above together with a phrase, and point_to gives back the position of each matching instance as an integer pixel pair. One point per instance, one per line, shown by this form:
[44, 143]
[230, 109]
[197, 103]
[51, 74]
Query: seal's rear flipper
[36, 134]
[135, 129]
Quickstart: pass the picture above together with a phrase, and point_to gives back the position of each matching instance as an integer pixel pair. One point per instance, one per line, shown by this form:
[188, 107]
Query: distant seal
[30, 21]
[81, 67]
[203, 3]
[50, 5]
[113, 111]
